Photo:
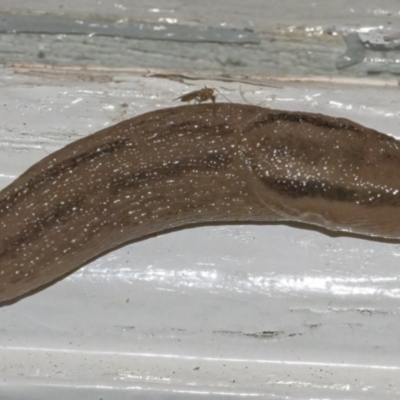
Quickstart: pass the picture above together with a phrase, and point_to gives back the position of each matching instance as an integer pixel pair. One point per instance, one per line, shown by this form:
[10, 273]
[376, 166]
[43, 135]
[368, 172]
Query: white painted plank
[254, 310]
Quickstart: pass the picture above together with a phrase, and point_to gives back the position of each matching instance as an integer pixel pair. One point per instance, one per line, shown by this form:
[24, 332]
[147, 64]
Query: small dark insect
[199, 96]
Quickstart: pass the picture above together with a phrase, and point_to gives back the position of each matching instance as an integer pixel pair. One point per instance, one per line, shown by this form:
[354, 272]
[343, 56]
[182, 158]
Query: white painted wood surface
[268, 311]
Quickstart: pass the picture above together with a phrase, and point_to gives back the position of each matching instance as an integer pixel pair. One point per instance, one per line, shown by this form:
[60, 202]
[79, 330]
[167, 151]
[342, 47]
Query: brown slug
[193, 164]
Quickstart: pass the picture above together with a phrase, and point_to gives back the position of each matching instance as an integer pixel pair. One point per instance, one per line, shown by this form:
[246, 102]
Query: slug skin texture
[193, 164]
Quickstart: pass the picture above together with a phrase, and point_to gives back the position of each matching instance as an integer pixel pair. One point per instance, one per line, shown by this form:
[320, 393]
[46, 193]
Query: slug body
[193, 164]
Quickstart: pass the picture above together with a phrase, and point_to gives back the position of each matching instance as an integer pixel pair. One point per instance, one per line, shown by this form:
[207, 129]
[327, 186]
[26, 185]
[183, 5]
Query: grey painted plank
[276, 38]
[62, 24]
